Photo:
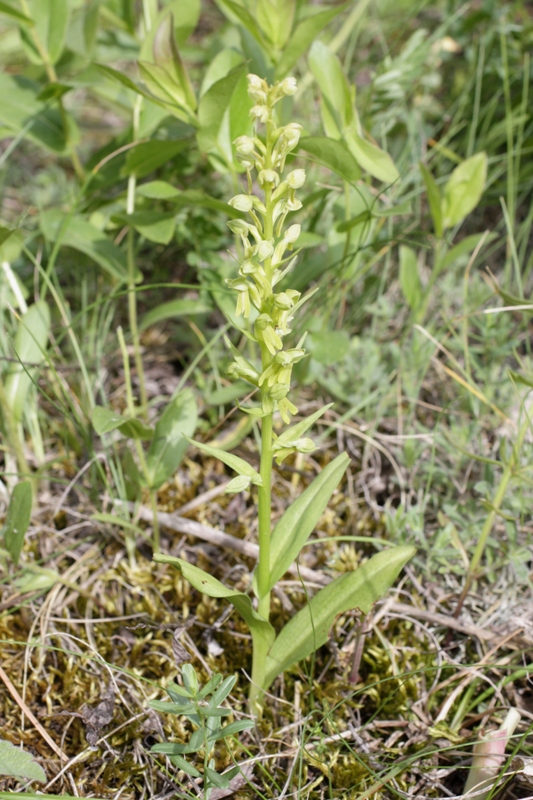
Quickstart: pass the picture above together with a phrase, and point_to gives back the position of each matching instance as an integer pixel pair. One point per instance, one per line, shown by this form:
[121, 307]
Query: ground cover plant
[133, 387]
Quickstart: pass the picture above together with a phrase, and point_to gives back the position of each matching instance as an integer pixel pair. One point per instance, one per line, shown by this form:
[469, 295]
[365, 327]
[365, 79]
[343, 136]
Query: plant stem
[132, 273]
[264, 503]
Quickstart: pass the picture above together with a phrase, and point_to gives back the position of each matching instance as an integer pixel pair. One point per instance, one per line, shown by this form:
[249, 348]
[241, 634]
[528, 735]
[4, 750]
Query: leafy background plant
[115, 181]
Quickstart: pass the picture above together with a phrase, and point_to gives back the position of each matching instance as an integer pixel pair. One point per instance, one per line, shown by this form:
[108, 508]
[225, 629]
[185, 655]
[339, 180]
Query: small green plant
[203, 708]
[265, 261]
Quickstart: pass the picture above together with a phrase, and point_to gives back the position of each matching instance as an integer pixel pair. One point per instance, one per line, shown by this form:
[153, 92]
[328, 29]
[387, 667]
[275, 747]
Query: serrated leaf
[170, 442]
[17, 763]
[309, 628]
[409, 278]
[332, 154]
[18, 519]
[463, 190]
[30, 344]
[300, 519]
[239, 465]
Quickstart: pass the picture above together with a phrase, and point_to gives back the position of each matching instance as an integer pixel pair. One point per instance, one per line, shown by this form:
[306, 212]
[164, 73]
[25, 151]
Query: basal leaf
[169, 443]
[30, 344]
[309, 628]
[18, 520]
[300, 519]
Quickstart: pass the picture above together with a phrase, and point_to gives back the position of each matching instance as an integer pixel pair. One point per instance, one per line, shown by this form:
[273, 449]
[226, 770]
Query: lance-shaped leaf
[213, 107]
[169, 443]
[309, 628]
[167, 56]
[370, 157]
[276, 19]
[304, 35]
[434, 199]
[30, 344]
[333, 154]
[263, 633]
[18, 519]
[334, 87]
[300, 519]
[14, 13]
[240, 466]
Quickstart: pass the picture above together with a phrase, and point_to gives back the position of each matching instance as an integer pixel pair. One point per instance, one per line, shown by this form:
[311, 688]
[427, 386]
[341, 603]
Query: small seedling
[203, 708]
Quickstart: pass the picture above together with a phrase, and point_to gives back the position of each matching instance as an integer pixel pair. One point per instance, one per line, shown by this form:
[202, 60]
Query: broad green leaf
[5, 233]
[161, 190]
[434, 199]
[18, 520]
[333, 154]
[240, 121]
[224, 61]
[370, 157]
[239, 15]
[84, 237]
[239, 465]
[262, 631]
[119, 77]
[309, 628]
[334, 87]
[276, 17]
[167, 56]
[300, 519]
[409, 277]
[16, 763]
[163, 87]
[14, 13]
[30, 344]
[173, 309]
[169, 444]
[463, 190]
[20, 111]
[304, 35]
[330, 347]
[465, 248]
[146, 157]
[155, 226]
[51, 19]
[213, 107]
[105, 420]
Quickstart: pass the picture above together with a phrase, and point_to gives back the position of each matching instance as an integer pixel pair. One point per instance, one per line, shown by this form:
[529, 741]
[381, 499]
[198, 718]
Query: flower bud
[292, 233]
[289, 86]
[290, 135]
[283, 301]
[244, 145]
[263, 250]
[260, 112]
[268, 177]
[242, 202]
[239, 226]
[279, 391]
[296, 178]
[257, 89]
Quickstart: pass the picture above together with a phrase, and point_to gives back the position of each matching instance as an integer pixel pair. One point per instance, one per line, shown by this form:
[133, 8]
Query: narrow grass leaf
[173, 309]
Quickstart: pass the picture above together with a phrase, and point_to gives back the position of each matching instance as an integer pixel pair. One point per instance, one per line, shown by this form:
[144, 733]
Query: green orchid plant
[267, 243]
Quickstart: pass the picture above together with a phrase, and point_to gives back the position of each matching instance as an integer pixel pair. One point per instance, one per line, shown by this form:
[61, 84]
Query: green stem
[264, 503]
[132, 275]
